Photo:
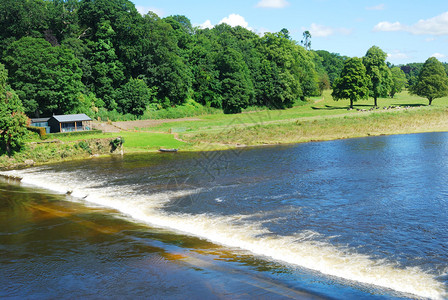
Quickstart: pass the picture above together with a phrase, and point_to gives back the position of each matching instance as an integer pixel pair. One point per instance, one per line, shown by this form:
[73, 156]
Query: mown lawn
[144, 141]
[133, 141]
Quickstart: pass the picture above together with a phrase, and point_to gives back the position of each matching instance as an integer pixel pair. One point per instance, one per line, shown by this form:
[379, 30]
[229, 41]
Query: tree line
[370, 76]
[93, 56]
[67, 56]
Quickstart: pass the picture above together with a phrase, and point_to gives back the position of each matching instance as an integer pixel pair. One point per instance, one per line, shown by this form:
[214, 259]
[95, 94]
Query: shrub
[74, 133]
[85, 146]
[39, 130]
[116, 143]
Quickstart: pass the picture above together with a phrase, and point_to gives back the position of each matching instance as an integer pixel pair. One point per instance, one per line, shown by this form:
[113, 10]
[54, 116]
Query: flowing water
[358, 218]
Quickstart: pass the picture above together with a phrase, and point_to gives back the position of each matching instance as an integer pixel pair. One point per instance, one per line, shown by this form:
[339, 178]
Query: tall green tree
[133, 97]
[205, 84]
[63, 19]
[399, 81]
[294, 69]
[19, 18]
[12, 118]
[281, 69]
[237, 89]
[107, 70]
[162, 62]
[432, 82]
[126, 23]
[306, 42]
[378, 72]
[46, 78]
[353, 84]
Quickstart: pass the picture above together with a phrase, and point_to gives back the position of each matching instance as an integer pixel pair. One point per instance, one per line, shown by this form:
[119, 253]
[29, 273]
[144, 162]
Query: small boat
[168, 150]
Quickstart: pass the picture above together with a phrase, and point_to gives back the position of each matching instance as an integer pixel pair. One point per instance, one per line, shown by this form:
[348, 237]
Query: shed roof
[72, 118]
[39, 120]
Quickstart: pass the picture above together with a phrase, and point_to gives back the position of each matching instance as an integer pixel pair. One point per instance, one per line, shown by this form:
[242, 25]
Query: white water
[241, 232]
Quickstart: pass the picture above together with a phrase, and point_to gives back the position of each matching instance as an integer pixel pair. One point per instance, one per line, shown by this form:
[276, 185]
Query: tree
[378, 72]
[332, 63]
[306, 42]
[237, 89]
[162, 62]
[353, 83]
[399, 81]
[432, 82]
[107, 70]
[12, 118]
[205, 84]
[46, 78]
[133, 97]
[19, 18]
[294, 71]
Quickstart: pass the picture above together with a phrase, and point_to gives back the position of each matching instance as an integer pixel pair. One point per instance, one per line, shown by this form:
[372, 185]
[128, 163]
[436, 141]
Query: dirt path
[132, 125]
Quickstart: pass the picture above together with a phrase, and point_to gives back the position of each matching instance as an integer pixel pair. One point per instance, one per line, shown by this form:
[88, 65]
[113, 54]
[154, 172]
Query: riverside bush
[189, 109]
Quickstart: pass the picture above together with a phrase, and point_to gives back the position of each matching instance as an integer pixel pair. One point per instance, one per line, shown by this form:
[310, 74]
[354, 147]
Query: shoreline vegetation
[320, 119]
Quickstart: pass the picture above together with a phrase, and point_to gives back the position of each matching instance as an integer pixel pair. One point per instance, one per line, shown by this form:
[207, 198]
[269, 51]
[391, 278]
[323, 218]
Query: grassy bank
[321, 129]
[42, 152]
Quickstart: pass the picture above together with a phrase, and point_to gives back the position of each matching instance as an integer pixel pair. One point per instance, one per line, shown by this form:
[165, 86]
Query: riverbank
[53, 151]
[320, 120]
[401, 121]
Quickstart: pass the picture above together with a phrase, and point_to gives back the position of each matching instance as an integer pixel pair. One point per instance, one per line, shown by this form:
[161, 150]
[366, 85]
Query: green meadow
[321, 118]
[318, 119]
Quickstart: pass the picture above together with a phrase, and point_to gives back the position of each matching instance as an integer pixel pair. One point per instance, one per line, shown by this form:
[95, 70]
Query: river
[346, 219]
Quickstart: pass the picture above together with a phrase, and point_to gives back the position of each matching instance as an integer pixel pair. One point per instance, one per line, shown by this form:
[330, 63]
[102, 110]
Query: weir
[303, 207]
[238, 231]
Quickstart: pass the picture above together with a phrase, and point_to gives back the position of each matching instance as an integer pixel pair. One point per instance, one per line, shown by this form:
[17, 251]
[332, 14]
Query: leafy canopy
[432, 82]
[134, 97]
[47, 78]
[12, 118]
[353, 83]
[378, 72]
[398, 81]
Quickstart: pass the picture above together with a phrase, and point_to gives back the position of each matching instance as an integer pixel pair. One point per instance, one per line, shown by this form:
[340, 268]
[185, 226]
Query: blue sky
[409, 31]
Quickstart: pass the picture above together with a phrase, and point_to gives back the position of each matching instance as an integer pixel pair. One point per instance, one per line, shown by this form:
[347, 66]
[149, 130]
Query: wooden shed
[69, 123]
[41, 122]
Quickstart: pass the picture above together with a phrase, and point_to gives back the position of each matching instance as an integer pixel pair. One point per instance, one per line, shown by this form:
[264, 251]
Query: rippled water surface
[341, 219]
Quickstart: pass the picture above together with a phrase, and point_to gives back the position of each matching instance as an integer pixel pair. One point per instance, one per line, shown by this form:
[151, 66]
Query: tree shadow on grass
[410, 104]
[329, 107]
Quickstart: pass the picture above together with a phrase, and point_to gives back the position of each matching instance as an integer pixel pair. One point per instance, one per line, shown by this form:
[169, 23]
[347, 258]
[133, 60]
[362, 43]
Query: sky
[407, 30]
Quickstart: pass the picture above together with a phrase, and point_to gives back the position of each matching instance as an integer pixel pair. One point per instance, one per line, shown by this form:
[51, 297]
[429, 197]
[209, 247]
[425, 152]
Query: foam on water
[242, 232]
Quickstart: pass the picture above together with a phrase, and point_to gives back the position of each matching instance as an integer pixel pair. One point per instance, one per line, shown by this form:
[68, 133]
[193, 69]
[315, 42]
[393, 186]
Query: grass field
[318, 108]
[320, 119]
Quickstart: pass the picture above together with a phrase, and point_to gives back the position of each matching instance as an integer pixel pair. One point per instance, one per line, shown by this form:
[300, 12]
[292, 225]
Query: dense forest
[102, 57]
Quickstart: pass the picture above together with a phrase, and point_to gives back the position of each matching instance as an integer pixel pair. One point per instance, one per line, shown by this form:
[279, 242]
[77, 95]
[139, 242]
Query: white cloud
[206, 24]
[232, 20]
[439, 55]
[433, 26]
[377, 7]
[387, 26]
[397, 55]
[273, 3]
[235, 20]
[144, 10]
[318, 30]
